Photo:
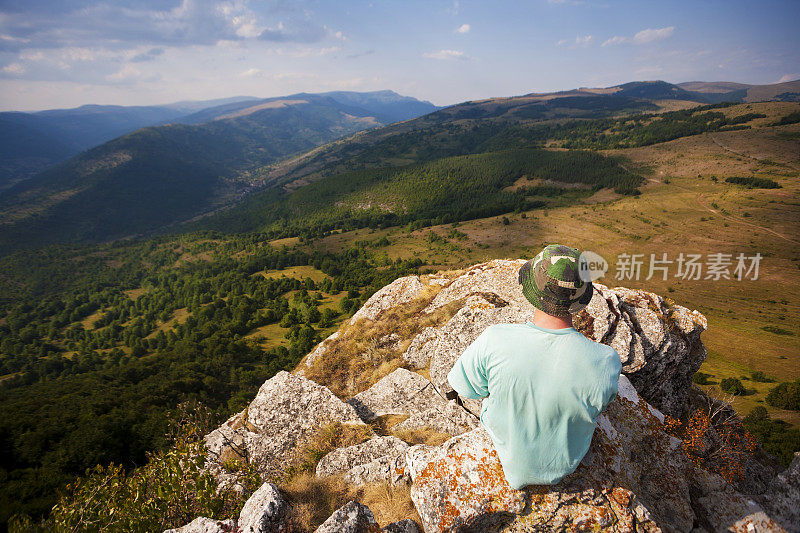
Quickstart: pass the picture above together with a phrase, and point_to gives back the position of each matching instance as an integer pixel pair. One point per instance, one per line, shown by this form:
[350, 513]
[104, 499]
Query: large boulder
[287, 411]
[265, 511]
[658, 342]
[400, 393]
[378, 459]
[450, 419]
[399, 291]
[461, 484]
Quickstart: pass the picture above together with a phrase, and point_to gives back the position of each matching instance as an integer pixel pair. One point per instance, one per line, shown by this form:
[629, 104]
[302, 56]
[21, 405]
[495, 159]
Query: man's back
[545, 387]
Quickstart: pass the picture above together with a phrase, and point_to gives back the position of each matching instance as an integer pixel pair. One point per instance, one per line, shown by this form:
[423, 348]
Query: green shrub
[776, 330]
[701, 378]
[761, 377]
[775, 436]
[785, 396]
[732, 386]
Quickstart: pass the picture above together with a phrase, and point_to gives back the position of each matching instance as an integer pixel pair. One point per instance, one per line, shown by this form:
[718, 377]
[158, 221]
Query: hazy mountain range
[196, 157]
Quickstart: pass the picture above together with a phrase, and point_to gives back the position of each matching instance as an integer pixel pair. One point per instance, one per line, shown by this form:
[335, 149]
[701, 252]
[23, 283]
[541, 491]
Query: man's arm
[468, 376]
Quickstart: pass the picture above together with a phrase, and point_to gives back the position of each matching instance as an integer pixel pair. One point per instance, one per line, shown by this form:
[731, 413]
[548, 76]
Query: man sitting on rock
[543, 383]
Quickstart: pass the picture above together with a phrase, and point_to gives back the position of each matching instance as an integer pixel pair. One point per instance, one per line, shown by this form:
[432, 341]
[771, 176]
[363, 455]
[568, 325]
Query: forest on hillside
[99, 345]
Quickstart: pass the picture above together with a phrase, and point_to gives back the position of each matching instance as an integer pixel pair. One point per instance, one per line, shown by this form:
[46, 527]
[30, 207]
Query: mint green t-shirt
[545, 389]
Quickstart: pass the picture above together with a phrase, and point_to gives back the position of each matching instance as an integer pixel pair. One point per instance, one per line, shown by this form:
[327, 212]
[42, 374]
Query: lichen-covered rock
[400, 393]
[450, 419]
[418, 354]
[352, 517]
[264, 512]
[286, 412]
[658, 342]
[498, 277]
[399, 291]
[378, 459]
[461, 483]
[782, 498]
[201, 524]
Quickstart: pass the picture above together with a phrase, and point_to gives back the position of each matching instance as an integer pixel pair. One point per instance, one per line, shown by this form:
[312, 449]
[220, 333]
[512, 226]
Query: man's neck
[543, 320]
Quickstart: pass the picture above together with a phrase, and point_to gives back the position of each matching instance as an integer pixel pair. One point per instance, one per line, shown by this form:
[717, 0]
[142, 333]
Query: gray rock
[450, 419]
[658, 342]
[399, 291]
[202, 524]
[401, 392]
[378, 459]
[418, 354]
[391, 468]
[352, 517]
[286, 412]
[782, 498]
[264, 512]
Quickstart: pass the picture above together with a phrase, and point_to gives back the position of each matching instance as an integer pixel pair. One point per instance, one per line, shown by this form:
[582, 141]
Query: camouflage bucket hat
[550, 281]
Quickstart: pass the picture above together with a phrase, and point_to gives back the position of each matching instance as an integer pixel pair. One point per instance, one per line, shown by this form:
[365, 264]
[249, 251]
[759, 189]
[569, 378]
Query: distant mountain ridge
[156, 176]
[31, 142]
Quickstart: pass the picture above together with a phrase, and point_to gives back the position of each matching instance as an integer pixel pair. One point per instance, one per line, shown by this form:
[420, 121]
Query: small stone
[201, 524]
[264, 512]
[353, 517]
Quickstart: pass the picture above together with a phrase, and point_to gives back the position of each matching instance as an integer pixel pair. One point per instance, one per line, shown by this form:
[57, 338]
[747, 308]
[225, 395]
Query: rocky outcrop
[782, 498]
[287, 411]
[400, 393]
[636, 477]
[657, 341]
[398, 292]
[378, 459]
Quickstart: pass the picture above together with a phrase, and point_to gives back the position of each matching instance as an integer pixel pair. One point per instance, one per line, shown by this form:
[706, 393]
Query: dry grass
[327, 439]
[314, 499]
[428, 436]
[363, 353]
[383, 425]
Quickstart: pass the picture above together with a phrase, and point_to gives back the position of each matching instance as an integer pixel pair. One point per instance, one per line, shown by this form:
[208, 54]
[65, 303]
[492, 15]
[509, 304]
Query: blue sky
[65, 53]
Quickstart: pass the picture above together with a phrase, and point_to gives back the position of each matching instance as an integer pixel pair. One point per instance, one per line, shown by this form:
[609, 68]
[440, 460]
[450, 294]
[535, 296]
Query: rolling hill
[32, 142]
[156, 176]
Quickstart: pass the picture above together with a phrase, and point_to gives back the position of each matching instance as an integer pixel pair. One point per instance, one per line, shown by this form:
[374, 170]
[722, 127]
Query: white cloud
[653, 34]
[13, 68]
[446, 55]
[617, 39]
[464, 28]
[250, 73]
[586, 40]
[125, 74]
[789, 77]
